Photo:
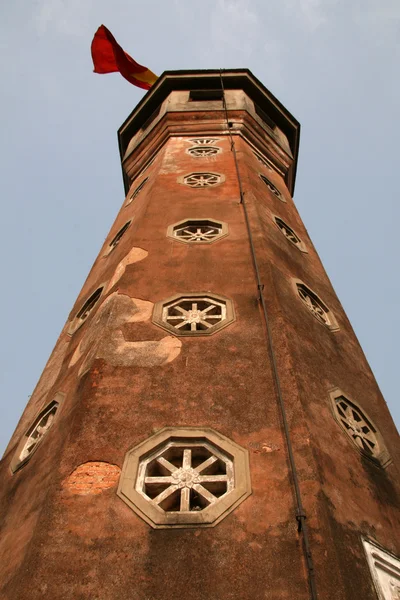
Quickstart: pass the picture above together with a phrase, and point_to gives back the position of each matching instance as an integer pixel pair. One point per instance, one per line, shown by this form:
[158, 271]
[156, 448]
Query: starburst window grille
[198, 231]
[39, 431]
[137, 191]
[117, 238]
[186, 477]
[314, 304]
[359, 428]
[35, 434]
[202, 180]
[89, 305]
[204, 141]
[194, 314]
[272, 188]
[356, 426]
[203, 151]
[289, 233]
[85, 310]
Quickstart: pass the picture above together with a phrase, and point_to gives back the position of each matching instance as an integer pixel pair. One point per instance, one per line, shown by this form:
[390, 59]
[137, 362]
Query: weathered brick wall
[92, 478]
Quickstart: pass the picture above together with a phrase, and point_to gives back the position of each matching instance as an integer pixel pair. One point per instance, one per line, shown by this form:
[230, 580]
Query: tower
[207, 425]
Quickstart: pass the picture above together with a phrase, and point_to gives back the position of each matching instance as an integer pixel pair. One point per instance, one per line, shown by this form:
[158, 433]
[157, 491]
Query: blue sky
[333, 63]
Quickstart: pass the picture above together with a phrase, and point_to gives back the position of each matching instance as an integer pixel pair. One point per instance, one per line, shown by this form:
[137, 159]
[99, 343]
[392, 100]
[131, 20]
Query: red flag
[109, 57]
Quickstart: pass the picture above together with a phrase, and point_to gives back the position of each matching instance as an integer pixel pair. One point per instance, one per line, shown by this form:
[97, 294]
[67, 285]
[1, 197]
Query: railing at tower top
[300, 512]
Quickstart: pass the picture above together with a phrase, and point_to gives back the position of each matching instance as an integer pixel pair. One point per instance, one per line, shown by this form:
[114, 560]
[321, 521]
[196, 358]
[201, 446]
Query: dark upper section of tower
[201, 90]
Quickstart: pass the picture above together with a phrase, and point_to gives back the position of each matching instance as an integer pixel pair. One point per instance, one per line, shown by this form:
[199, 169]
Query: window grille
[194, 314]
[89, 305]
[137, 191]
[186, 476]
[314, 304]
[116, 239]
[35, 434]
[38, 431]
[357, 426]
[272, 188]
[198, 231]
[202, 180]
[289, 233]
[203, 151]
[85, 310]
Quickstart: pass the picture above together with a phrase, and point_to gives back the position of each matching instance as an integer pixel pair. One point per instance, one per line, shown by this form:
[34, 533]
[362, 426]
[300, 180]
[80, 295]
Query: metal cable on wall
[300, 512]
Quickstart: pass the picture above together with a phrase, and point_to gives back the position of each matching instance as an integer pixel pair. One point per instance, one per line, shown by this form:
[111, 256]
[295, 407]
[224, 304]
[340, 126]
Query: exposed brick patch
[92, 478]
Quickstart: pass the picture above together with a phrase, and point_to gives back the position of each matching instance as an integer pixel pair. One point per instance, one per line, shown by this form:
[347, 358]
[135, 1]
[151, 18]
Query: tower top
[205, 86]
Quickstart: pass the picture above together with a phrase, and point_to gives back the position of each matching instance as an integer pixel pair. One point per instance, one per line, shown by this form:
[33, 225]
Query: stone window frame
[382, 458]
[301, 245]
[332, 324]
[78, 321]
[117, 237]
[135, 462]
[223, 233]
[182, 178]
[16, 463]
[272, 187]
[191, 151]
[158, 313]
[136, 191]
[384, 567]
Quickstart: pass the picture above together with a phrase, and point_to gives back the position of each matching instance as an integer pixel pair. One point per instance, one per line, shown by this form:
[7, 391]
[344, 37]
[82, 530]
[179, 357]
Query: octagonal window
[194, 314]
[185, 477]
[203, 151]
[289, 234]
[272, 188]
[136, 191]
[315, 305]
[198, 231]
[117, 238]
[85, 310]
[359, 428]
[35, 434]
[201, 180]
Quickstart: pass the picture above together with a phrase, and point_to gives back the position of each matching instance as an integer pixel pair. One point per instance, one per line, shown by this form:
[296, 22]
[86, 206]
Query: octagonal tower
[207, 426]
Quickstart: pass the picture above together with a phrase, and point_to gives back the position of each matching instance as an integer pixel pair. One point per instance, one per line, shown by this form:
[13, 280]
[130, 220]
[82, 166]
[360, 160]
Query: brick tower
[207, 426]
